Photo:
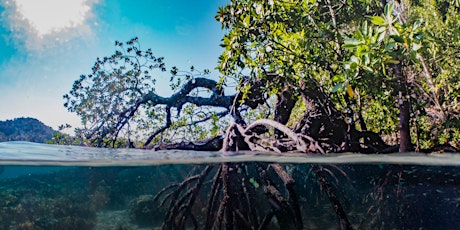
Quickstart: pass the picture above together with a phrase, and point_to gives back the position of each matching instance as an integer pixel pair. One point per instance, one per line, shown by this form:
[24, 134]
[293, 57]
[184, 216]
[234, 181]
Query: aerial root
[296, 142]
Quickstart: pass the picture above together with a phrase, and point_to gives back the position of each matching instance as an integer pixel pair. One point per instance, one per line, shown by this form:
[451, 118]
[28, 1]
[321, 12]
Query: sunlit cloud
[48, 16]
[40, 24]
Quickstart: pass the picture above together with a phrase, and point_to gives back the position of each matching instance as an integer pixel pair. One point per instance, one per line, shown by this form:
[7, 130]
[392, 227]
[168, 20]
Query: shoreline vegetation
[25, 129]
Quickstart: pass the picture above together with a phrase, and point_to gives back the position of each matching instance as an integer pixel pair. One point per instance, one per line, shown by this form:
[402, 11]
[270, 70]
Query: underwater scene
[70, 187]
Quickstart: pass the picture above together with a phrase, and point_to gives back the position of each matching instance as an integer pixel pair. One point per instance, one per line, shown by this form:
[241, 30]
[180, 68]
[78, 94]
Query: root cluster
[233, 201]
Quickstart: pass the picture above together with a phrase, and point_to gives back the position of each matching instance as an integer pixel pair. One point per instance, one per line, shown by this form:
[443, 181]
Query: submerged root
[181, 200]
[337, 206]
[234, 199]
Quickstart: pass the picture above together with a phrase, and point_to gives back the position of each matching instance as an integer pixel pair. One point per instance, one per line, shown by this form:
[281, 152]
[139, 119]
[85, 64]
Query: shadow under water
[198, 196]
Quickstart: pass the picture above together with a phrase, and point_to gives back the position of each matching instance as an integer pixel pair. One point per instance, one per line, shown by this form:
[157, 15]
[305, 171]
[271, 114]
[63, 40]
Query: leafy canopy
[349, 48]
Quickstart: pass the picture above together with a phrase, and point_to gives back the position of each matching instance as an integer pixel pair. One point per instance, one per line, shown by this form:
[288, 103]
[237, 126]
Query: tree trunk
[404, 111]
[283, 108]
[284, 105]
[321, 120]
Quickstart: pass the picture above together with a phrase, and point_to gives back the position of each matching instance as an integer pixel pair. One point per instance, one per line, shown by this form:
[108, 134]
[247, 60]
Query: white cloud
[44, 24]
[48, 16]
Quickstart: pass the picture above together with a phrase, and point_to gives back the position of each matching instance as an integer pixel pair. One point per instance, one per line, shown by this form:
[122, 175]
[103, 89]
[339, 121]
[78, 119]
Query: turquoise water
[70, 187]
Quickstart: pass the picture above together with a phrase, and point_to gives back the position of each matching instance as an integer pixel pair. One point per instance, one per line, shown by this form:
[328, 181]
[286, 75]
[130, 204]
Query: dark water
[62, 187]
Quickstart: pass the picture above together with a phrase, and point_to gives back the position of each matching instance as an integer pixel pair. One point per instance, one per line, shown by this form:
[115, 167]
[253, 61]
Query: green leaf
[388, 10]
[351, 42]
[416, 46]
[336, 88]
[377, 20]
[359, 35]
[338, 78]
[397, 38]
[353, 66]
[364, 27]
[368, 69]
[366, 59]
[381, 36]
[381, 29]
[247, 21]
[355, 59]
[417, 24]
[392, 61]
[390, 46]
[419, 36]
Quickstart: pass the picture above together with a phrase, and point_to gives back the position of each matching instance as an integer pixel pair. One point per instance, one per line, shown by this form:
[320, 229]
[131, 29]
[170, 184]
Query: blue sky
[47, 44]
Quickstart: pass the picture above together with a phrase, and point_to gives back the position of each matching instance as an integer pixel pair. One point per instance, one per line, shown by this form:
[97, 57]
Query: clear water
[70, 187]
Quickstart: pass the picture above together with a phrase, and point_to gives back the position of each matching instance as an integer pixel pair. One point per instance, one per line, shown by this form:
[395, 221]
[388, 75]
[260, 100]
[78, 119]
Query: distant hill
[25, 129]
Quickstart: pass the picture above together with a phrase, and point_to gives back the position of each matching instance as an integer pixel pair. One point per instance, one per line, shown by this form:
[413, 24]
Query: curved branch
[166, 126]
[300, 144]
[267, 122]
[177, 100]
